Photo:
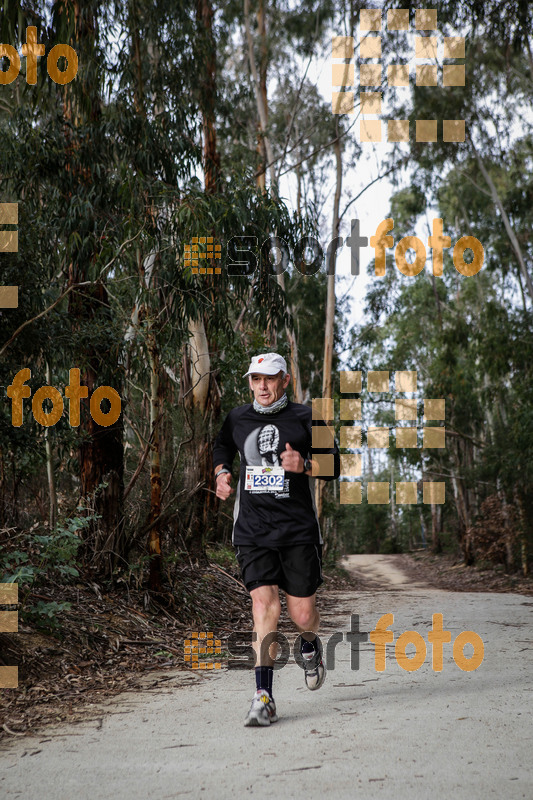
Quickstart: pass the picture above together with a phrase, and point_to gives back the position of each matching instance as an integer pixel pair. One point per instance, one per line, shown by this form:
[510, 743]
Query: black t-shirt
[285, 516]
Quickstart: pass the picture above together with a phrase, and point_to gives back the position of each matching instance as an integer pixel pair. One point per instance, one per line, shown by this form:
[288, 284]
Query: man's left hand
[291, 460]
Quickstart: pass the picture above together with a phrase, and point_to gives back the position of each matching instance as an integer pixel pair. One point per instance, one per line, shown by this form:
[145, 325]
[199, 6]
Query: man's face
[268, 388]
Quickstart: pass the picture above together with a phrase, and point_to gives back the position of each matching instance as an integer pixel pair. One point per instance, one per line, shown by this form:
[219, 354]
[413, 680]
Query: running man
[276, 532]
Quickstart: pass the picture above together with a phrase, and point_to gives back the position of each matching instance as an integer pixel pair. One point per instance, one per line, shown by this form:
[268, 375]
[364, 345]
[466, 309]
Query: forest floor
[120, 640]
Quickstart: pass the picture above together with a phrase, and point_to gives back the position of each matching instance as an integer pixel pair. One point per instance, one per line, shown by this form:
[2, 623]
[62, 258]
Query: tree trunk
[394, 527]
[200, 364]
[327, 381]
[463, 513]
[211, 157]
[52, 496]
[262, 111]
[436, 544]
[101, 455]
[201, 393]
[522, 533]
[263, 64]
[154, 536]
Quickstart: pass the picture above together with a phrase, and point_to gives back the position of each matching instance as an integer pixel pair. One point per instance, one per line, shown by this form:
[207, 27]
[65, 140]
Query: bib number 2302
[264, 479]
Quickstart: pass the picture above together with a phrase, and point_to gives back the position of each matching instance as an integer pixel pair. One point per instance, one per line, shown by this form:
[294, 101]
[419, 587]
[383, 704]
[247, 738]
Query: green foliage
[53, 556]
[223, 555]
[45, 614]
[46, 559]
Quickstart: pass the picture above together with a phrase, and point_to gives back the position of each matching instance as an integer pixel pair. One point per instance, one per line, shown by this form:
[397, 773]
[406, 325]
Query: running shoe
[262, 711]
[315, 669]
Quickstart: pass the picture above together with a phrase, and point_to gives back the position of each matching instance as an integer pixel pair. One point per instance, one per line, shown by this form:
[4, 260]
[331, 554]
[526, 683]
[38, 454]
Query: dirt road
[365, 734]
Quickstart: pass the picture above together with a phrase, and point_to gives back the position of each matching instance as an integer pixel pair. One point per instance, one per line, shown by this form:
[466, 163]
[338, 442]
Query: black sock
[263, 678]
[308, 647]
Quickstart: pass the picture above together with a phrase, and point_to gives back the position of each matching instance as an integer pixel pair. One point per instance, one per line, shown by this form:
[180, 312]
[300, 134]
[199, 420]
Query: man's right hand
[224, 486]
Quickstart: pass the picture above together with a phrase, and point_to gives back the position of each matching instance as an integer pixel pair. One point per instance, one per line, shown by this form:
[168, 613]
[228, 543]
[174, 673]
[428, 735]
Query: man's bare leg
[304, 614]
[266, 609]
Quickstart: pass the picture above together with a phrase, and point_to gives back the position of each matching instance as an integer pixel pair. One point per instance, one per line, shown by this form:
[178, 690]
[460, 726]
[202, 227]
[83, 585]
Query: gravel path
[365, 734]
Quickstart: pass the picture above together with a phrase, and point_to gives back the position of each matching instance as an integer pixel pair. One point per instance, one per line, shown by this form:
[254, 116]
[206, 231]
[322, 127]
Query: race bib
[264, 479]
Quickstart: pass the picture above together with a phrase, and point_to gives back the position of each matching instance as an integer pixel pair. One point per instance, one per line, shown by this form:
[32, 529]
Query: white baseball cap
[267, 364]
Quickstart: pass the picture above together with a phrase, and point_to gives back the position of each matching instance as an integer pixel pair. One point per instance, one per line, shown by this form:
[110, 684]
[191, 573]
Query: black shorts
[297, 568]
